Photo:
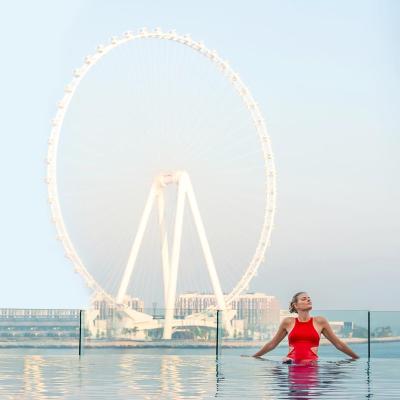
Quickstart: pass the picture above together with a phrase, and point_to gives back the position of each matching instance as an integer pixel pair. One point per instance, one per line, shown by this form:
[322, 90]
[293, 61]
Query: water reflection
[33, 377]
[369, 394]
[303, 381]
[165, 376]
[171, 381]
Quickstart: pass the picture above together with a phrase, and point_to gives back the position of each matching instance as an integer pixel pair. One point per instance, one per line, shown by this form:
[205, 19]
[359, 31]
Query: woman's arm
[330, 335]
[279, 335]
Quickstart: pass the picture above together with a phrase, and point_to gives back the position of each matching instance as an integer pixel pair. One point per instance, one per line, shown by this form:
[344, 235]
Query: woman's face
[304, 302]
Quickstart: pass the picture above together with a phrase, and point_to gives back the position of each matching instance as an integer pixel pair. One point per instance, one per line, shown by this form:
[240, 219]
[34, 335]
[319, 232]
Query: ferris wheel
[165, 109]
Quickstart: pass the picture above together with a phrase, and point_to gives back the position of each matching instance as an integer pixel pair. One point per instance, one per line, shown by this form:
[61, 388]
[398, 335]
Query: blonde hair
[292, 309]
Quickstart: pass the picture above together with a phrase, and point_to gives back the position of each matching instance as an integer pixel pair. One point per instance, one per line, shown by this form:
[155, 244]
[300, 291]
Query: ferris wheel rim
[249, 102]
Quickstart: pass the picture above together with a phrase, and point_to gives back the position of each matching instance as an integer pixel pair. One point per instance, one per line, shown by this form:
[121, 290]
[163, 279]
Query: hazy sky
[326, 76]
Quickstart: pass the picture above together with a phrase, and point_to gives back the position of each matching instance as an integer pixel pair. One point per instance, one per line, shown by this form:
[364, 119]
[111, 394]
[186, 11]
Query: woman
[304, 333]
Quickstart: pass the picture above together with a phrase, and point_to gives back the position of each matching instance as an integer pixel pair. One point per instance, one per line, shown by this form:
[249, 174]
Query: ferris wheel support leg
[164, 242]
[207, 255]
[136, 245]
[176, 247]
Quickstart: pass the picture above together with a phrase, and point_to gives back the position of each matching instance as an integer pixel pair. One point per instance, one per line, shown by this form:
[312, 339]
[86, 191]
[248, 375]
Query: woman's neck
[303, 316]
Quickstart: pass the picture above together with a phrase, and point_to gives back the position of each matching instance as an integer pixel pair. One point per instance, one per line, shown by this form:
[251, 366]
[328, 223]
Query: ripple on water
[121, 376]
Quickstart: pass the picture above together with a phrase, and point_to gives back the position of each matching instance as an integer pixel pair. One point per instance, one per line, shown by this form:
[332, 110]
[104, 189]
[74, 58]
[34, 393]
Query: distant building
[37, 314]
[257, 311]
[106, 319]
[342, 328]
[28, 323]
[190, 303]
[106, 309]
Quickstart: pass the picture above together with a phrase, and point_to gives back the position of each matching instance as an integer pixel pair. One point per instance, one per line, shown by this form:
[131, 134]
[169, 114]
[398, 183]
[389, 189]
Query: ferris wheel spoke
[136, 246]
[176, 247]
[164, 242]
[205, 246]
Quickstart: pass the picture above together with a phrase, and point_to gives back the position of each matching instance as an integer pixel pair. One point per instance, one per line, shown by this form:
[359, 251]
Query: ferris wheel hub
[167, 178]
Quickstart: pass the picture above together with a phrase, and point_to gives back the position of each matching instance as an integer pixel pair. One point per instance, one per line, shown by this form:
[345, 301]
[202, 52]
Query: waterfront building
[39, 314]
[107, 310]
[190, 303]
[29, 323]
[342, 328]
[257, 308]
[257, 314]
[104, 319]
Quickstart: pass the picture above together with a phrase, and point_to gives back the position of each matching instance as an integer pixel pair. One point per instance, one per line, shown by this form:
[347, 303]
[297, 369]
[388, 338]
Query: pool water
[126, 375]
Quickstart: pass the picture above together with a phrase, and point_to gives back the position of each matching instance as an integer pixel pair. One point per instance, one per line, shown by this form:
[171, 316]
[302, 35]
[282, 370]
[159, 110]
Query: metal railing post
[80, 333]
[217, 336]
[369, 334]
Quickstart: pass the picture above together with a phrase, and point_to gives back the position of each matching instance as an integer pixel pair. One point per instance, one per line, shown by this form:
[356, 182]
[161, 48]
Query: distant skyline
[326, 76]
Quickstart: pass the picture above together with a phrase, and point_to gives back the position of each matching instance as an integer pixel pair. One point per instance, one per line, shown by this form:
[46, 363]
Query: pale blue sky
[326, 76]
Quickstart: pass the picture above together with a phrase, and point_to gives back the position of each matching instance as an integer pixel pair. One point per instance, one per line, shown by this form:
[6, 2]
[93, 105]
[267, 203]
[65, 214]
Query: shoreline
[131, 344]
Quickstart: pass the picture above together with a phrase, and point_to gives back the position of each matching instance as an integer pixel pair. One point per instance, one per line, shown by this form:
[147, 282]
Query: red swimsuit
[302, 338]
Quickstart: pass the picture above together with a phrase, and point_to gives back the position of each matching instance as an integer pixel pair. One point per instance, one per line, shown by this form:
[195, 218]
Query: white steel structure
[170, 266]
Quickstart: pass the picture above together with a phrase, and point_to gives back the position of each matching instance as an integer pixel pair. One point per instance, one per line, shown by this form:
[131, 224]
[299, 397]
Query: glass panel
[385, 334]
[351, 326]
[143, 330]
[243, 333]
[251, 328]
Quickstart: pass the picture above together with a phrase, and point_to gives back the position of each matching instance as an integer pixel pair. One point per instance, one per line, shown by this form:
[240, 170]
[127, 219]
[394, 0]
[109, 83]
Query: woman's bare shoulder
[288, 321]
[320, 320]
